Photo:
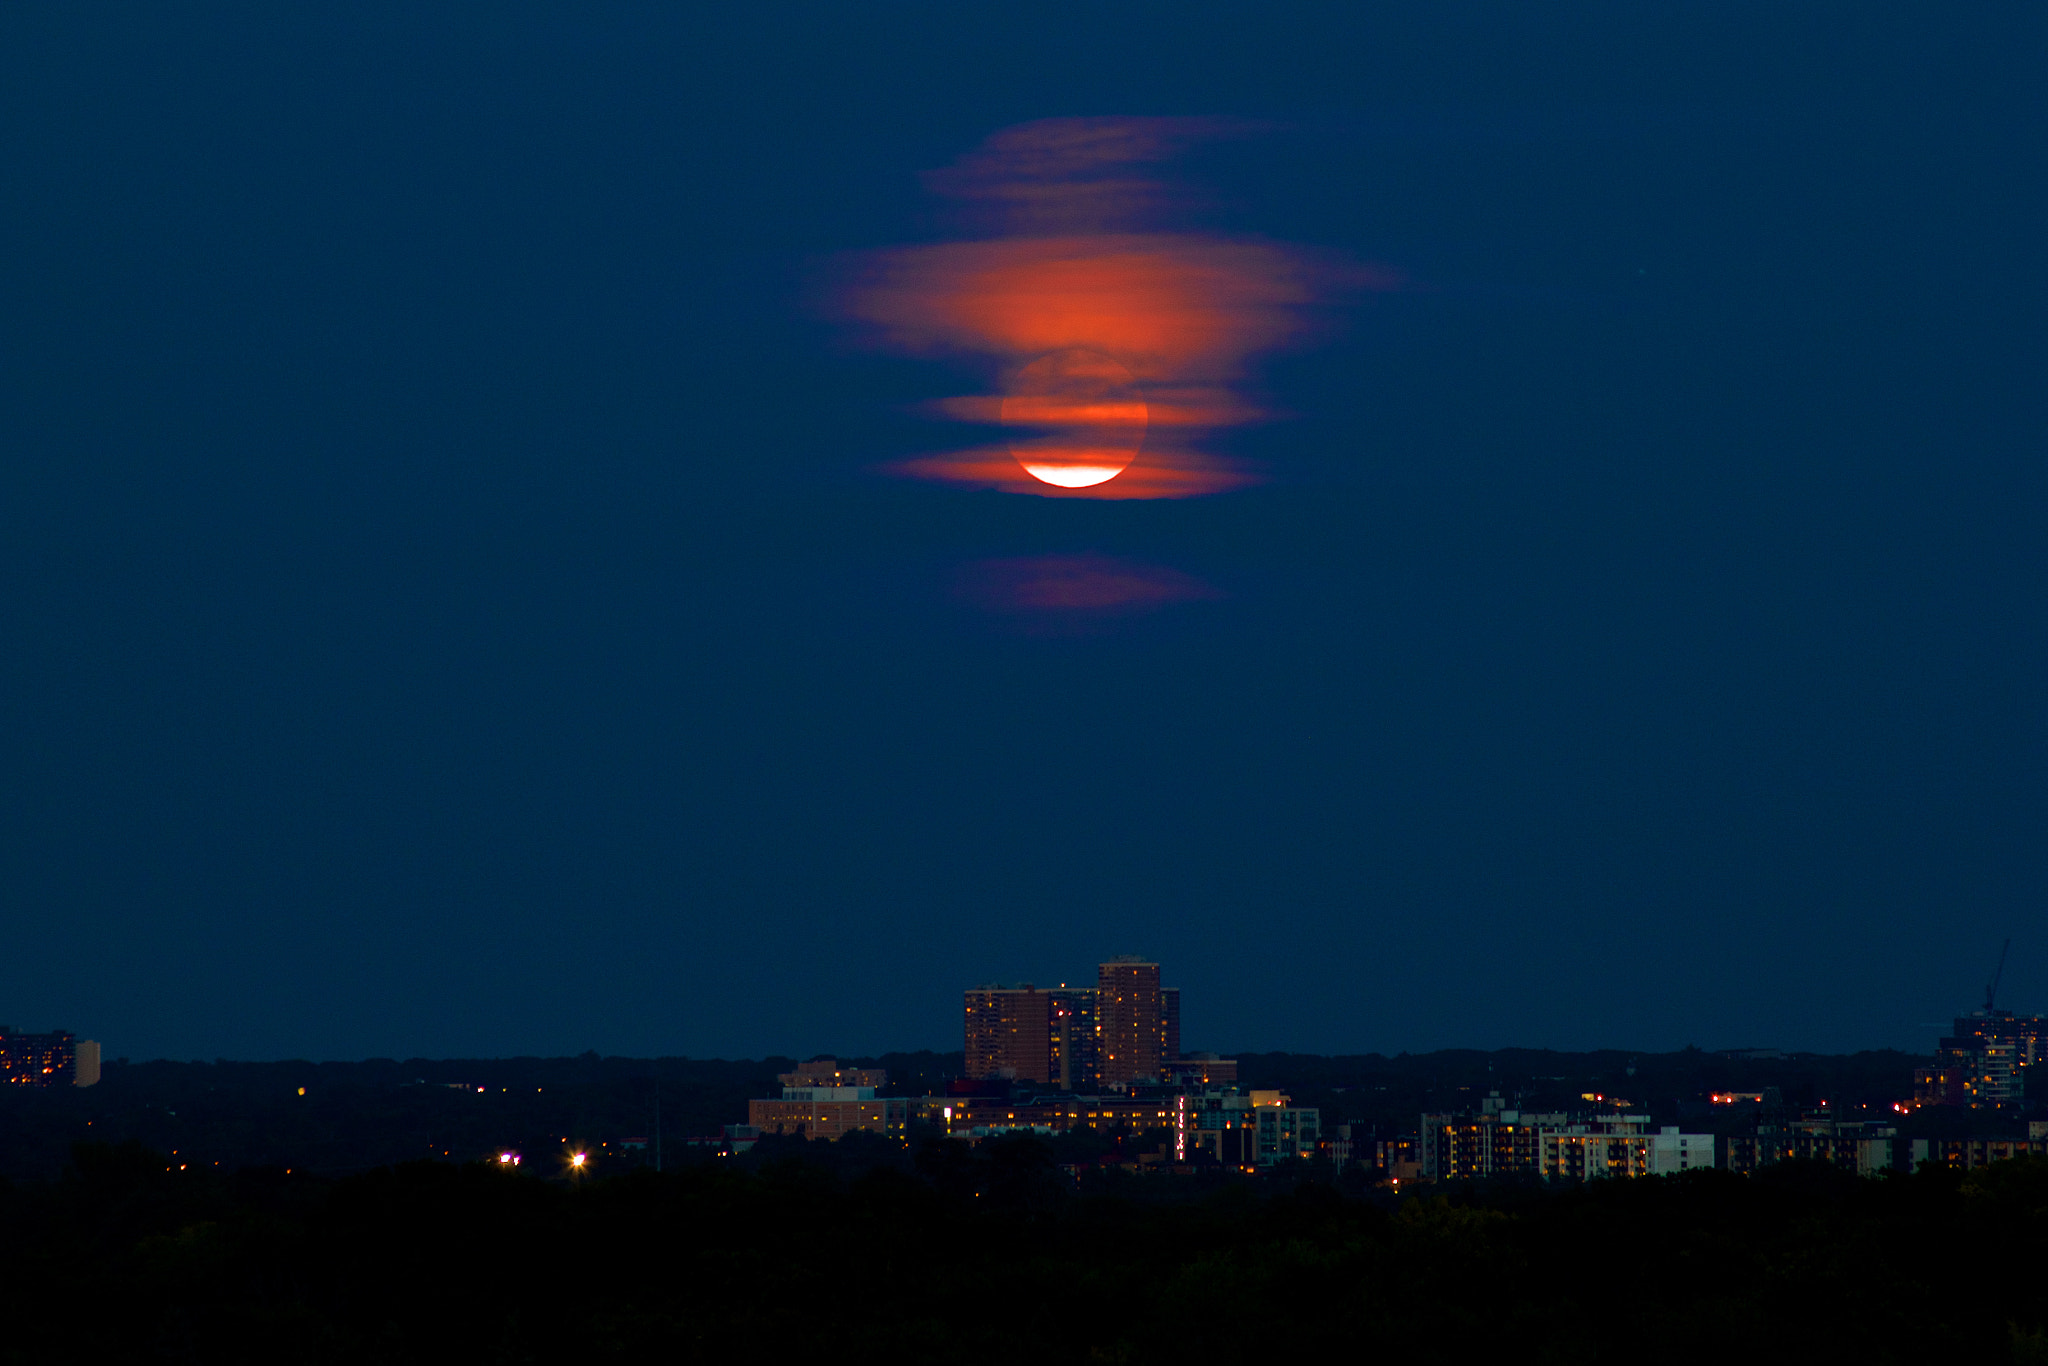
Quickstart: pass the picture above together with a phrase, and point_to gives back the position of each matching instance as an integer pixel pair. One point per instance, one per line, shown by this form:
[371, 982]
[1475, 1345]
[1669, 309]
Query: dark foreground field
[994, 1255]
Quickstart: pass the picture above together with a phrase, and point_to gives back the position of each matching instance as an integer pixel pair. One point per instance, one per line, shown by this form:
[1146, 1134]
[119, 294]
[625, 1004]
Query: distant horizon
[1787, 1054]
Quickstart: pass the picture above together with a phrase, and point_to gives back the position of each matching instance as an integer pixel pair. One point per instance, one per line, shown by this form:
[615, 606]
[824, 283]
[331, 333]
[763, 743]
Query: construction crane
[1991, 992]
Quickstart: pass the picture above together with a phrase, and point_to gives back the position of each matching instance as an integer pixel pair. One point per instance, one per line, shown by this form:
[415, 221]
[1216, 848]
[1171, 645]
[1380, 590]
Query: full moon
[1085, 417]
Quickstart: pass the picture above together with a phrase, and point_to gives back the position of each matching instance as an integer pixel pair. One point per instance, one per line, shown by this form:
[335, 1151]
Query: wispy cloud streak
[1077, 586]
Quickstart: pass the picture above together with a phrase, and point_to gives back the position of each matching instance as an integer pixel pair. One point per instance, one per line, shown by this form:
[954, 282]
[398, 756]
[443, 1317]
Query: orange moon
[1078, 418]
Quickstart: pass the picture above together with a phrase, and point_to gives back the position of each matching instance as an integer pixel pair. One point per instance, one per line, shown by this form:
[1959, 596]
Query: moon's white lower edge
[1073, 476]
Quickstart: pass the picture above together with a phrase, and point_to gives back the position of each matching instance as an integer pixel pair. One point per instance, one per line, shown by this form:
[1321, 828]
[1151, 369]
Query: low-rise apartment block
[823, 1100]
[1501, 1140]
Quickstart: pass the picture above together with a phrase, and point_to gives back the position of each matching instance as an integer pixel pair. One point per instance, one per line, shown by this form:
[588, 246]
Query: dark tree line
[994, 1253]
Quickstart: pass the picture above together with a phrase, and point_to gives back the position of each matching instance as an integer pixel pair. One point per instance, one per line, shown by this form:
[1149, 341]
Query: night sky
[460, 592]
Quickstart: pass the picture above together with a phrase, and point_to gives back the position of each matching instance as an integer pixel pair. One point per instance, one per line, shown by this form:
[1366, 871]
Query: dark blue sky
[447, 608]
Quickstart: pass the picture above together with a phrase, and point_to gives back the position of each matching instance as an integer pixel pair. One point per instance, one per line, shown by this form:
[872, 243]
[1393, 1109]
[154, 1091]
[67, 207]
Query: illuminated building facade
[828, 1072]
[1121, 1032]
[1239, 1130]
[1203, 1069]
[1258, 1129]
[1864, 1147]
[1498, 1141]
[1503, 1141]
[1400, 1158]
[1112, 1051]
[1938, 1085]
[1233, 1143]
[1131, 1021]
[42, 1059]
[1983, 1064]
[822, 1118]
[1285, 1131]
[976, 1117]
[823, 1100]
[1076, 1063]
[1009, 1033]
[1620, 1147]
[1970, 1153]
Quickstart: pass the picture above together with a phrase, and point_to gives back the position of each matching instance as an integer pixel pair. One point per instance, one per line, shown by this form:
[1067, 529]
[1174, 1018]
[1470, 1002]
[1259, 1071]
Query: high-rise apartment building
[1169, 1021]
[1125, 1029]
[1009, 1033]
[1076, 1045]
[41, 1059]
[1984, 1063]
[1130, 1021]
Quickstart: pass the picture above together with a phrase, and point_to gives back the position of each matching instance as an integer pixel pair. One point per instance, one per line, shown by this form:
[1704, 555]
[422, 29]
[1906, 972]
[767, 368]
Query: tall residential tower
[1123, 1030]
[1010, 1033]
[1131, 1021]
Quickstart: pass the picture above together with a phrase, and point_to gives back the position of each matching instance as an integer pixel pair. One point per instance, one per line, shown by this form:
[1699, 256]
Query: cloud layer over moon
[1075, 263]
